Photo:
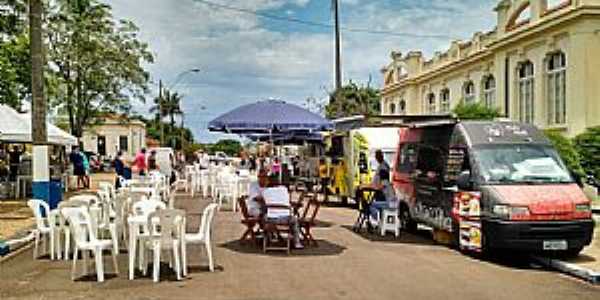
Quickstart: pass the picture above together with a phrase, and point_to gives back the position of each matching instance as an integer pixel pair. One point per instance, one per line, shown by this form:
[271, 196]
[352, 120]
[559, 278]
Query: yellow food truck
[350, 151]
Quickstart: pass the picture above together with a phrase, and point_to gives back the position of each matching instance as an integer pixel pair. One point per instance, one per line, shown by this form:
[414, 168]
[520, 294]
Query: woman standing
[86, 168]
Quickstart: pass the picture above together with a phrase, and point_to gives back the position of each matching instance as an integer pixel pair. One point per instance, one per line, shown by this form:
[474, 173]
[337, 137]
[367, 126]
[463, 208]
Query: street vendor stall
[15, 153]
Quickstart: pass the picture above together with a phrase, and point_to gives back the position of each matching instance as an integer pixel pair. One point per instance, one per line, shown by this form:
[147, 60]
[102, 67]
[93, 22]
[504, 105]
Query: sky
[245, 57]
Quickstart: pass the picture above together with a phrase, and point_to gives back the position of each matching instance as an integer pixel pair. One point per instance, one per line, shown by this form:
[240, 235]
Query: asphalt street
[346, 265]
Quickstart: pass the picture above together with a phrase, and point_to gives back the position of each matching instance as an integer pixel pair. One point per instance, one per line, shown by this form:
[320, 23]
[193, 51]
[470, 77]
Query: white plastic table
[136, 226]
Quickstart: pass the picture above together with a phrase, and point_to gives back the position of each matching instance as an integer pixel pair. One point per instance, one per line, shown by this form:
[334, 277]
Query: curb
[8, 248]
[588, 275]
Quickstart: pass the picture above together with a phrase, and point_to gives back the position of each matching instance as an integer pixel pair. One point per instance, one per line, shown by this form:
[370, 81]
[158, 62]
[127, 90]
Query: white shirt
[254, 191]
[277, 196]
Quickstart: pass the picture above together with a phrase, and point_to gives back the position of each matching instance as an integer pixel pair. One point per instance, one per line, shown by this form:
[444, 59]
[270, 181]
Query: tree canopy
[97, 61]
[353, 99]
[15, 65]
[567, 151]
[475, 111]
[588, 146]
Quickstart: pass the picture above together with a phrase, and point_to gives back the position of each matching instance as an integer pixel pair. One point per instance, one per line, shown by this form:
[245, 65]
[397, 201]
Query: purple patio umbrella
[270, 116]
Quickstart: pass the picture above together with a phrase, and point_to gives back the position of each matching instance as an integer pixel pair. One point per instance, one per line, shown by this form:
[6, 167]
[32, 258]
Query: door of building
[101, 145]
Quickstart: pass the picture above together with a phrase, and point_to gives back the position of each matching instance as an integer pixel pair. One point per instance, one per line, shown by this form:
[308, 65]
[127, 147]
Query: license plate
[555, 245]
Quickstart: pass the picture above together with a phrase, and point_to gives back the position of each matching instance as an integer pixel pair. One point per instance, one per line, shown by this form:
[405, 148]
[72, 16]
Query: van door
[433, 203]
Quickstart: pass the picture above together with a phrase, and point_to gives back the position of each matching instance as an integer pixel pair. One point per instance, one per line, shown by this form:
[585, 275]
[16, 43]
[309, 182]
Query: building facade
[112, 134]
[540, 65]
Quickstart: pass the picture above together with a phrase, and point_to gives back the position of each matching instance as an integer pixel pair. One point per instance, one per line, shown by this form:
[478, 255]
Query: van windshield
[529, 164]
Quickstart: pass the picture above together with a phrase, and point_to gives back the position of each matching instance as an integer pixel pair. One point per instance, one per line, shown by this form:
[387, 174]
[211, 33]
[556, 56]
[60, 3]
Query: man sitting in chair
[385, 196]
[260, 196]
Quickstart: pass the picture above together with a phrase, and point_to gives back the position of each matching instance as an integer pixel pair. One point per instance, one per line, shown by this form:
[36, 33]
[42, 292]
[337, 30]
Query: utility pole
[39, 132]
[338, 50]
[182, 130]
[160, 112]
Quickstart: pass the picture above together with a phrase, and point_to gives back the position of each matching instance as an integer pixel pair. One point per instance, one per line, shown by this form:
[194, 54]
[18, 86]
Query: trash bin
[56, 193]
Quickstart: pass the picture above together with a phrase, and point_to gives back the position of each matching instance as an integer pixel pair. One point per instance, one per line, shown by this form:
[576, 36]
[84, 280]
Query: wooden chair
[249, 221]
[275, 228]
[308, 220]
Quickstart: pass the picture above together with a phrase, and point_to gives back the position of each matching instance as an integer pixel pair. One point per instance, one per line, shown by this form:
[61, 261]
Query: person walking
[140, 162]
[76, 159]
[152, 165]
[119, 168]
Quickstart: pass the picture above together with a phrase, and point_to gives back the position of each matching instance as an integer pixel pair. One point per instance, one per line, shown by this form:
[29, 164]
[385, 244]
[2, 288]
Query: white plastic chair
[64, 227]
[44, 226]
[85, 240]
[385, 226]
[107, 223]
[141, 210]
[165, 237]
[227, 190]
[190, 178]
[203, 236]
[107, 187]
[180, 182]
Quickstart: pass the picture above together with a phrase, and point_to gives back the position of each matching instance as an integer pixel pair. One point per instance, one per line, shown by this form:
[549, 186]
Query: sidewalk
[16, 218]
[585, 266]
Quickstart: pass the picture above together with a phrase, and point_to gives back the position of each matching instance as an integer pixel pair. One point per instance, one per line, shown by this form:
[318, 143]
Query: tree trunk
[38, 109]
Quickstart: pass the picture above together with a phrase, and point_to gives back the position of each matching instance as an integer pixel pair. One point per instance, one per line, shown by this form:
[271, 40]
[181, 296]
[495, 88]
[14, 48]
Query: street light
[179, 77]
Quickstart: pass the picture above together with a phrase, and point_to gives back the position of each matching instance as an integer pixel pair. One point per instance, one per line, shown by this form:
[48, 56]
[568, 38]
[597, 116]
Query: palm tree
[172, 106]
[169, 105]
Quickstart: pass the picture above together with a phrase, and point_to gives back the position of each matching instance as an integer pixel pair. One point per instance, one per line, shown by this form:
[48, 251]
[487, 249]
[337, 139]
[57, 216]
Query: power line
[322, 25]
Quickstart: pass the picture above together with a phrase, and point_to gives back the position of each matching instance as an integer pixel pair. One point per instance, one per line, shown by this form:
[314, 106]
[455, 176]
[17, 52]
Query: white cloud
[244, 61]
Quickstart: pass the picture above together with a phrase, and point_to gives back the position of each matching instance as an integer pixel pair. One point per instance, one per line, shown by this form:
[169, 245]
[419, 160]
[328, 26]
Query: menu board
[454, 163]
[469, 216]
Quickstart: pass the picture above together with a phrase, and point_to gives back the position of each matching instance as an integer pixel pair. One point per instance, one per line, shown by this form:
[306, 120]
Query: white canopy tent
[16, 128]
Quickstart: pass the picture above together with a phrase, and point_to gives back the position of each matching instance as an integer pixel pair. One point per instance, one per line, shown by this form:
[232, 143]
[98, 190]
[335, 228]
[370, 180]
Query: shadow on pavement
[325, 248]
[421, 237]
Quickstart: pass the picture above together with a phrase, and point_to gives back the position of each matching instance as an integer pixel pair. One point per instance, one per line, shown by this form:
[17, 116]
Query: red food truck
[492, 185]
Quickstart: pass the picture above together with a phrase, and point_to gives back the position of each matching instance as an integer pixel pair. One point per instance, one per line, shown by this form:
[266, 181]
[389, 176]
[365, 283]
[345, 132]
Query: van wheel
[407, 222]
[570, 253]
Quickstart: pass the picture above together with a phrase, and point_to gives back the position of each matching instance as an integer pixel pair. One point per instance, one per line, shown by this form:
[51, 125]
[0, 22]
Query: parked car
[492, 185]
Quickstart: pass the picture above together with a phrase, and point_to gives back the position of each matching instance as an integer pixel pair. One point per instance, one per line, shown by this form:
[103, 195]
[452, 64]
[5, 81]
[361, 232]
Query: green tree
[15, 61]
[169, 105]
[475, 111]
[12, 18]
[98, 62]
[567, 151]
[588, 146]
[353, 99]
[229, 147]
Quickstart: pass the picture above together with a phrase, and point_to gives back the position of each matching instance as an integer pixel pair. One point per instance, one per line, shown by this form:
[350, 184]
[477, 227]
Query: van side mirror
[463, 182]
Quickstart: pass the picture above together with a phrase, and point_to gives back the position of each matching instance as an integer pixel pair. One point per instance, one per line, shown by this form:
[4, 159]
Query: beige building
[113, 134]
[541, 65]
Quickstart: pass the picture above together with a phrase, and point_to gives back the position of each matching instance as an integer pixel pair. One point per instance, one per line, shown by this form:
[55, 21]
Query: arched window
[526, 87]
[402, 107]
[431, 107]
[392, 108]
[445, 101]
[556, 4]
[521, 16]
[489, 91]
[556, 88]
[429, 102]
[469, 92]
